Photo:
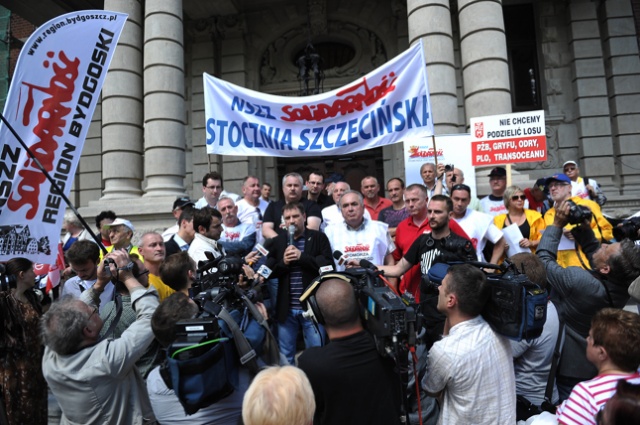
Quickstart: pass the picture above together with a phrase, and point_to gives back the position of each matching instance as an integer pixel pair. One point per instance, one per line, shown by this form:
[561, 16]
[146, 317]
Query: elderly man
[93, 380]
[493, 204]
[251, 207]
[560, 190]
[237, 238]
[579, 293]
[585, 188]
[75, 231]
[180, 204]
[471, 367]
[292, 190]
[373, 202]
[152, 251]
[332, 214]
[295, 266]
[212, 189]
[357, 237]
[432, 178]
[207, 223]
[120, 235]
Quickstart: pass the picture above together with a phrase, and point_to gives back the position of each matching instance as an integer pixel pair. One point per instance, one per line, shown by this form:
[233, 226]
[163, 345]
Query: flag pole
[54, 184]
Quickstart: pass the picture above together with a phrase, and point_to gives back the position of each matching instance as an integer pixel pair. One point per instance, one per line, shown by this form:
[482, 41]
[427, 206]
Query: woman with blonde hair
[529, 222]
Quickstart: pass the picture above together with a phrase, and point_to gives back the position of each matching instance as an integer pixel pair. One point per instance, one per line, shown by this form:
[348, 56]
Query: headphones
[308, 298]
[7, 281]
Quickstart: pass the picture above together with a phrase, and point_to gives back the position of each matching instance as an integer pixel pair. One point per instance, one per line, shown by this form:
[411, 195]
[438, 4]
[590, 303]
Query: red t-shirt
[374, 211]
[406, 233]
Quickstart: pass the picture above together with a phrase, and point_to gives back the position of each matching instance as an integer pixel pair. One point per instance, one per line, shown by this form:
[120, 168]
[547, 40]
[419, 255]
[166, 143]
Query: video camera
[628, 229]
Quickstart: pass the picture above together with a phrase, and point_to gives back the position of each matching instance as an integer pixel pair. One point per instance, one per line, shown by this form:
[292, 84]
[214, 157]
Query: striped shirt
[590, 396]
[295, 279]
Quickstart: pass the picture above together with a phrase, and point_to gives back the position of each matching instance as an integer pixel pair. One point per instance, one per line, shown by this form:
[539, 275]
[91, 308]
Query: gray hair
[71, 218]
[223, 197]
[61, 327]
[296, 175]
[360, 197]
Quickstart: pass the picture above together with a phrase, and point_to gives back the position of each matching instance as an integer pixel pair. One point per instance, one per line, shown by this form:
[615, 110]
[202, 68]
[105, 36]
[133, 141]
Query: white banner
[381, 108]
[50, 104]
[453, 149]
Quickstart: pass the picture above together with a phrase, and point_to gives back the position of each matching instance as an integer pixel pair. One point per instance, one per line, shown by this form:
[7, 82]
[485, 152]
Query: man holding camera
[580, 293]
[94, 380]
[372, 393]
[560, 190]
[471, 368]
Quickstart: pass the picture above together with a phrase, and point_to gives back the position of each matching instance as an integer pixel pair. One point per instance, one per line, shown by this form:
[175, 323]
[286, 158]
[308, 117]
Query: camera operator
[372, 393]
[95, 381]
[471, 368]
[579, 293]
[560, 190]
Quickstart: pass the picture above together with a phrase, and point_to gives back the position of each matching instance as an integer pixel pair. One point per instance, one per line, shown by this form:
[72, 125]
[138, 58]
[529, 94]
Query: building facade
[575, 59]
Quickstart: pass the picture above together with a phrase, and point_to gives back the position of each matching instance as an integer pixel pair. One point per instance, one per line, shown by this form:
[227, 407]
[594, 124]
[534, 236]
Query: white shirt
[578, 188]
[249, 214]
[371, 241]
[480, 228]
[202, 244]
[332, 214]
[474, 367]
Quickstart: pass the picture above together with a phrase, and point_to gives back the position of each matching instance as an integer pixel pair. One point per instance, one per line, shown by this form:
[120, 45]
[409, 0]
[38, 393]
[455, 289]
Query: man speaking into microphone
[295, 259]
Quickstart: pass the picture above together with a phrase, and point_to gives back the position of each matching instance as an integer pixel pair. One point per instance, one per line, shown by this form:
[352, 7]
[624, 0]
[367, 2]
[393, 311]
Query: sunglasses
[520, 197]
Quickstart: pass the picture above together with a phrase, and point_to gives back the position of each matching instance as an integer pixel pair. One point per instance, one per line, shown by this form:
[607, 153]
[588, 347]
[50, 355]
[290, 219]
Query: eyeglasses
[95, 309]
[461, 187]
[520, 197]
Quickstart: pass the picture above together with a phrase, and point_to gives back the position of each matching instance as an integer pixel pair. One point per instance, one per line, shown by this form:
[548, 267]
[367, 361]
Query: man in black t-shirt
[440, 245]
[351, 382]
[292, 190]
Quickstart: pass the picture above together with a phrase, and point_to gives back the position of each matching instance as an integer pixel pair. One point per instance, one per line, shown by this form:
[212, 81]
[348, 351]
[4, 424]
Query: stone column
[164, 108]
[122, 135]
[623, 82]
[430, 21]
[483, 47]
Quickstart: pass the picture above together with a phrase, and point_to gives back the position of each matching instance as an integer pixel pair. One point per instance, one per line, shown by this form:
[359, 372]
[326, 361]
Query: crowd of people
[100, 346]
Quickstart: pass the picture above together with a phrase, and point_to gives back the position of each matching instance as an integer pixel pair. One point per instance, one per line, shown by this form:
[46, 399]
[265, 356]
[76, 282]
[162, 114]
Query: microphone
[263, 271]
[292, 230]
[340, 257]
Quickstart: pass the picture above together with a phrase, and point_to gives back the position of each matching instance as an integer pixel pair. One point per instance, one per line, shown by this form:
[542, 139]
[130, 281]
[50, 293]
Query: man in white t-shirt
[584, 188]
[251, 207]
[493, 204]
[359, 238]
[478, 226]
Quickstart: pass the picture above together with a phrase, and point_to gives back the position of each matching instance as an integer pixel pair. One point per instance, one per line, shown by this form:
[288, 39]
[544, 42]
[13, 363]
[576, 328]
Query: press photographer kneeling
[579, 294]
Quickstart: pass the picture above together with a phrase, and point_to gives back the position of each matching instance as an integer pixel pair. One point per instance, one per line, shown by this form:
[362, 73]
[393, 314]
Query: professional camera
[448, 167]
[390, 319]
[578, 214]
[628, 229]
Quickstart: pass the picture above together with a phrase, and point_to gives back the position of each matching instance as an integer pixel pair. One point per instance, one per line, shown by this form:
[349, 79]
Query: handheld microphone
[292, 230]
[340, 257]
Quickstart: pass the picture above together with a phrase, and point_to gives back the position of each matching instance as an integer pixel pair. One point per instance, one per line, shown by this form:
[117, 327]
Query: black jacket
[316, 254]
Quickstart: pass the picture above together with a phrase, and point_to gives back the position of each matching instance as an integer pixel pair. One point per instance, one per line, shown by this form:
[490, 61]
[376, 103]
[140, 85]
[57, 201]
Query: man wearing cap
[559, 186]
[494, 204]
[179, 204]
[585, 188]
[120, 235]
[537, 198]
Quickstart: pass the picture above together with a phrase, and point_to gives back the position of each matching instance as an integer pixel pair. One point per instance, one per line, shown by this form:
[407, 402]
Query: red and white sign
[507, 139]
[50, 103]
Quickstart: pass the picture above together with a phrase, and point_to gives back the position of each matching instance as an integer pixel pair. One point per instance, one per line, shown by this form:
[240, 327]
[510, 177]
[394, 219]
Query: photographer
[559, 186]
[371, 395]
[95, 381]
[580, 293]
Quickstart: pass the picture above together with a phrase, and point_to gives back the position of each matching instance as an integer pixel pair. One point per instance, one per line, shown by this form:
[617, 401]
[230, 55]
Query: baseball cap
[541, 183]
[569, 162]
[498, 172]
[120, 221]
[558, 177]
[182, 202]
